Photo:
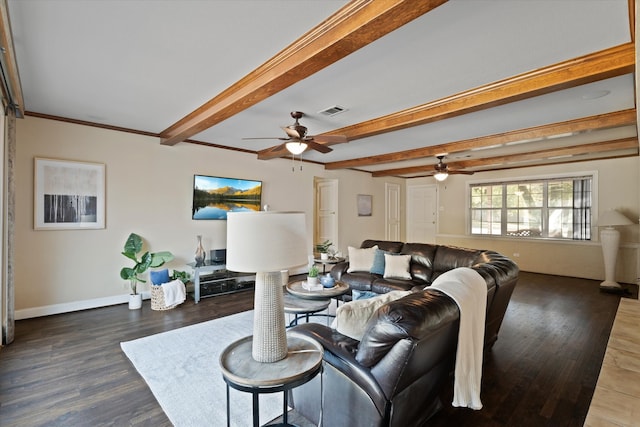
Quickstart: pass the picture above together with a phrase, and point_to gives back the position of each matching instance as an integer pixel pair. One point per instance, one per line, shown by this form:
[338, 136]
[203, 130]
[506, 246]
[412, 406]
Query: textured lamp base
[269, 329]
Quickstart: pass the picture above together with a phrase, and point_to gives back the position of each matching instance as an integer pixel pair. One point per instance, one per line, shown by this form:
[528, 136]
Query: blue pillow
[158, 277]
[356, 294]
[378, 262]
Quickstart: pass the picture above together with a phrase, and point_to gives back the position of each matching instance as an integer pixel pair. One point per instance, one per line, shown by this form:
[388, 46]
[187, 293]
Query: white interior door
[392, 212]
[326, 211]
[422, 214]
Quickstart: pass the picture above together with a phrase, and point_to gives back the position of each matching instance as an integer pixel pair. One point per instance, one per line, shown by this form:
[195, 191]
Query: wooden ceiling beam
[597, 147]
[602, 121]
[608, 63]
[356, 25]
[612, 62]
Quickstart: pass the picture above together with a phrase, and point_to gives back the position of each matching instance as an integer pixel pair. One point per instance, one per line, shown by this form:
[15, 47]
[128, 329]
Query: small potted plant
[132, 247]
[312, 276]
[323, 249]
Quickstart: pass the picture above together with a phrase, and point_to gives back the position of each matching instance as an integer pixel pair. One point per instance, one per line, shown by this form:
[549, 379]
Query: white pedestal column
[610, 238]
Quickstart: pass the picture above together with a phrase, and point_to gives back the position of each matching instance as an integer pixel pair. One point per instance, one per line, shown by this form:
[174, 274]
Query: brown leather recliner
[430, 261]
[393, 376]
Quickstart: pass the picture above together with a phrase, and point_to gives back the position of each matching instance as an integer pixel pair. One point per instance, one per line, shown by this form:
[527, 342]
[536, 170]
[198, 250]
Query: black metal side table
[241, 372]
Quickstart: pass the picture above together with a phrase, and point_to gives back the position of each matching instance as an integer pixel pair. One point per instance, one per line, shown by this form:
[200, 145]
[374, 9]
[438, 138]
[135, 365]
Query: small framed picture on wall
[68, 195]
[364, 204]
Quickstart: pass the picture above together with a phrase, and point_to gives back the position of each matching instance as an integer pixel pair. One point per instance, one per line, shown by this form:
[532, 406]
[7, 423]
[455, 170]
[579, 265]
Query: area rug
[182, 370]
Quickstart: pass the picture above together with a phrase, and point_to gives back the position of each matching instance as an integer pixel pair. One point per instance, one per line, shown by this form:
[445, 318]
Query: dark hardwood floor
[68, 369]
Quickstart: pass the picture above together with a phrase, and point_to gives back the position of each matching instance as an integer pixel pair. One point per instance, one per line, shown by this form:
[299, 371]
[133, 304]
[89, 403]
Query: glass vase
[200, 253]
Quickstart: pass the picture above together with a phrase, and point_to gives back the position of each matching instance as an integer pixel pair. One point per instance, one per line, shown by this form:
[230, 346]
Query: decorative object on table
[201, 255]
[364, 204]
[266, 243]
[132, 247]
[316, 286]
[68, 195]
[610, 239]
[327, 281]
[312, 276]
[324, 248]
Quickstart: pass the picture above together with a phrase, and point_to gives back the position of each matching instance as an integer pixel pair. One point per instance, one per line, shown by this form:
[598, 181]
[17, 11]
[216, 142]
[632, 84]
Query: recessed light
[596, 94]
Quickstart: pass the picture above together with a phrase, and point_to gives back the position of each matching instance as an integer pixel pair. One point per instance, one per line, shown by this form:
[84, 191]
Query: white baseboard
[48, 310]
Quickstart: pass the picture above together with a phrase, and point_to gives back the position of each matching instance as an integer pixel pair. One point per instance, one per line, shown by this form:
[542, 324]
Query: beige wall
[149, 192]
[617, 187]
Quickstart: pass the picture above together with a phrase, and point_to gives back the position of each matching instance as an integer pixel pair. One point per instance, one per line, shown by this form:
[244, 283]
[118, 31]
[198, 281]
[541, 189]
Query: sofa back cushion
[352, 317]
[422, 255]
[450, 257]
[385, 245]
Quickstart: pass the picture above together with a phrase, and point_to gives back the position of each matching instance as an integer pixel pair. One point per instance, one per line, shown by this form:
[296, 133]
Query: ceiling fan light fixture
[296, 148]
[441, 176]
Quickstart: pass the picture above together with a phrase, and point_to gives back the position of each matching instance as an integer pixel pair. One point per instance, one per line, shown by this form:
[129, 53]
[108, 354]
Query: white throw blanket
[174, 292]
[469, 290]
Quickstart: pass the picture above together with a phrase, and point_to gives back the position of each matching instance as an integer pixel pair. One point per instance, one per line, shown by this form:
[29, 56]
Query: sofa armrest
[339, 269]
[339, 352]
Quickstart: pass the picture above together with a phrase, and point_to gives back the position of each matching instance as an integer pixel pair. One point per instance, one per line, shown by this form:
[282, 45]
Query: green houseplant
[324, 248]
[132, 250]
[312, 276]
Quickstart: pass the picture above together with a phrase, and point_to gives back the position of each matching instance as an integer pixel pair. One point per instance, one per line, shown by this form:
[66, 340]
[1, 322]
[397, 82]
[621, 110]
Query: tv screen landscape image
[214, 197]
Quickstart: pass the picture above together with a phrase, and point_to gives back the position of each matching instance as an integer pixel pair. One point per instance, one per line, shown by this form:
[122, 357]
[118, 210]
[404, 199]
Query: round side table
[296, 288]
[299, 306]
[241, 372]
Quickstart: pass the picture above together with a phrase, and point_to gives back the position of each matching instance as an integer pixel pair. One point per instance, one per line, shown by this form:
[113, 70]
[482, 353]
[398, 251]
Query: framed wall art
[364, 204]
[68, 195]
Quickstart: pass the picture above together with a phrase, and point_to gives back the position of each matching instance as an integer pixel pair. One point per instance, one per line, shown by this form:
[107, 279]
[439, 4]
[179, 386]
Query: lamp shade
[611, 218]
[265, 241]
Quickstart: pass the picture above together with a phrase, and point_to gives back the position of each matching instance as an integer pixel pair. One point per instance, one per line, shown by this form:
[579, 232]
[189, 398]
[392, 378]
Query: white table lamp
[610, 239]
[265, 243]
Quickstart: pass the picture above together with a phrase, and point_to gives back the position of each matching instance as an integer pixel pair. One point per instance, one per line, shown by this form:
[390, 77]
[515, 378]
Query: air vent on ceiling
[332, 111]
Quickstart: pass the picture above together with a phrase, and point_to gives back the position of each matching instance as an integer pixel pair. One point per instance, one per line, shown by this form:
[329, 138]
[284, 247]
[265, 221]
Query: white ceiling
[145, 64]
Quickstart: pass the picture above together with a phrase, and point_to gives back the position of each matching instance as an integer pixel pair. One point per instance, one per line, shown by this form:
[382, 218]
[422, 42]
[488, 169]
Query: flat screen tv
[214, 196]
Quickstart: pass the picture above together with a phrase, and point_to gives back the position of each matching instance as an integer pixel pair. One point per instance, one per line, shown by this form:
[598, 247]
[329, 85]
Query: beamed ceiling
[489, 84]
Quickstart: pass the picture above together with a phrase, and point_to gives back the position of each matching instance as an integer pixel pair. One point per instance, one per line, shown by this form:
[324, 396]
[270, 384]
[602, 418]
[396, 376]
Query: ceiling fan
[442, 170]
[297, 140]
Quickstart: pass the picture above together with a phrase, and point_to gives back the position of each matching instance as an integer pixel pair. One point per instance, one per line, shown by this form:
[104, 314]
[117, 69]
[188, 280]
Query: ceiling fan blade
[450, 172]
[335, 139]
[269, 137]
[277, 148]
[318, 147]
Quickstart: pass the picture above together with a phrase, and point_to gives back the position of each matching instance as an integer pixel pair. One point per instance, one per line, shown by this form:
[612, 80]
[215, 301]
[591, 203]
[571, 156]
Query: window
[556, 208]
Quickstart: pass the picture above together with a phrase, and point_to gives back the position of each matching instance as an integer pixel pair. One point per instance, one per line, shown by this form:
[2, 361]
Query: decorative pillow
[158, 277]
[397, 266]
[356, 294]
[378, 262]
[361, 259]
[352, 318]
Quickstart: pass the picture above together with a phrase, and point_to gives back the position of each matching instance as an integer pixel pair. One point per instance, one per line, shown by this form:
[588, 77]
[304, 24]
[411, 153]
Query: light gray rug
[182, 370]
[181, 367]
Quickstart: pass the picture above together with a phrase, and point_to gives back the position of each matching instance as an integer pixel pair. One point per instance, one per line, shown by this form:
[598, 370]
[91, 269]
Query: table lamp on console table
[266, 243]
[610, 239]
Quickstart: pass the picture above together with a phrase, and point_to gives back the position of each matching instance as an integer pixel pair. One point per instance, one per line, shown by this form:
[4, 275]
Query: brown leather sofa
[394, 375]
